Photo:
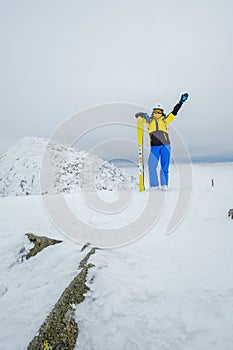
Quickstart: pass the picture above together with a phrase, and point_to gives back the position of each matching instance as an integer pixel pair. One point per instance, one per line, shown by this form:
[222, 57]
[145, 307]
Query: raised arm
[177, 107]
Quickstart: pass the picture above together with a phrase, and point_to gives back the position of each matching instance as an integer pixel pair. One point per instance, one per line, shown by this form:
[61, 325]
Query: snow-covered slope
[70, 168]
[163, 292]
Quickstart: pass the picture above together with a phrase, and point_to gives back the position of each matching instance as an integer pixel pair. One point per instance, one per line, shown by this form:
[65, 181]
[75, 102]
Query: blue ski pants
[157, 153]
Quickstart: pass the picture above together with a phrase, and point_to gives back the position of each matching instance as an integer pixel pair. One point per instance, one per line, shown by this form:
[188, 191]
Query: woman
[159, 140]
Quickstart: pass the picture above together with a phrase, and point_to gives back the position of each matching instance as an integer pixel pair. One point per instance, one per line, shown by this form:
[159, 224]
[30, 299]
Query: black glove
[184, 97]
[139, 114]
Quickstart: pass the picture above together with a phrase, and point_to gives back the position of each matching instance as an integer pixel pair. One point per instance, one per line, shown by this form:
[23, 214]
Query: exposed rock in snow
[60, 330]
[68, 170]
[39, 243]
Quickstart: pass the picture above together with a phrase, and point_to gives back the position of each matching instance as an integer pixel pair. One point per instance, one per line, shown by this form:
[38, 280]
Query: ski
[140, 122]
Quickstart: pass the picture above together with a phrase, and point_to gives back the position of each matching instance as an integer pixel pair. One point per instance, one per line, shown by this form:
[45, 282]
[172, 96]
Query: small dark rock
[40, 243]
[230, 213]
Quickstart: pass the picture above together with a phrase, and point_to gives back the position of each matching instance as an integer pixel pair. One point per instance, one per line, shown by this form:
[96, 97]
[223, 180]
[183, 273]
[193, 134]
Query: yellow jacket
[157, 129]
[160, 123]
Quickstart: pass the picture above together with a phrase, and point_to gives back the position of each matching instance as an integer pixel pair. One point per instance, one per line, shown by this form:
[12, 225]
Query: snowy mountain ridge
[70, 169]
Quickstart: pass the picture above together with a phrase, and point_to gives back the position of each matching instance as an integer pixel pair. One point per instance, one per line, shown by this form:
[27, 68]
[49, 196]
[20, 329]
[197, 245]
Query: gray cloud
[59, 57]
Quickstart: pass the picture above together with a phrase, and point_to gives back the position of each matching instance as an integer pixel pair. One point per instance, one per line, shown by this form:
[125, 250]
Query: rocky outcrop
[66, 170]
[60, 330]
[40, 243]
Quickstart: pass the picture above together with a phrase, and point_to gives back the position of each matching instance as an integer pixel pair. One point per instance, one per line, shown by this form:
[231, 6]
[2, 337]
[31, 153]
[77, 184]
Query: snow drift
[163, 292]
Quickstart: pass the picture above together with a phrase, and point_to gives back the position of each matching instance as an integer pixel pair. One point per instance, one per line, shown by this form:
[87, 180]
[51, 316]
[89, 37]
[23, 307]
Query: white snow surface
[162, 292]
[68, 170]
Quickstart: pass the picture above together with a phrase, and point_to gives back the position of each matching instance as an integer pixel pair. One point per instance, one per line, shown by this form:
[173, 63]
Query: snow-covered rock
[68, 169]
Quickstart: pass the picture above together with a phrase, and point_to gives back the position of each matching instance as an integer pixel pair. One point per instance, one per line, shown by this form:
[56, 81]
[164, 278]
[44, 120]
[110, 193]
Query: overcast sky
[62, 56]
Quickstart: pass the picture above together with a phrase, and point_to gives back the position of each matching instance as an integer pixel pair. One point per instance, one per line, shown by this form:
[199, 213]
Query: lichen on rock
[60, 330]
[83, 262]
[40, 243]
[85, 246]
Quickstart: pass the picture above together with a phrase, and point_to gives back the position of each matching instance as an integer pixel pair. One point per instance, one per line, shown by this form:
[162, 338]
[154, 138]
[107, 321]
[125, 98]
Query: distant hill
[68, 170]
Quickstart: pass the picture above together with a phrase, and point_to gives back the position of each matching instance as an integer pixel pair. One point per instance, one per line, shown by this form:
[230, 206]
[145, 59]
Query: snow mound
[68, 170]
